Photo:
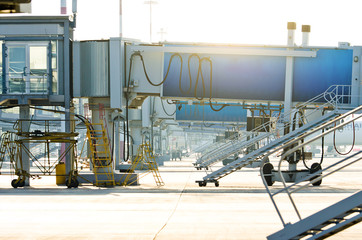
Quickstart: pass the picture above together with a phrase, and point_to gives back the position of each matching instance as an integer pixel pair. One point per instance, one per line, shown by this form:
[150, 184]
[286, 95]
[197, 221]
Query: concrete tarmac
[239, 208]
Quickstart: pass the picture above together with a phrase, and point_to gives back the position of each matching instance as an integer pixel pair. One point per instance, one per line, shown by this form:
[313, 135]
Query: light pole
[150, 3]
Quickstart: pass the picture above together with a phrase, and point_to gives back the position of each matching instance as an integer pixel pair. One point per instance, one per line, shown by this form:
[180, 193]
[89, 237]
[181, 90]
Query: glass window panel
[55, 82]
[17, 64]
[54, 55]
[1, 67]
[38, 85]
[38, 68]
[17, 59]
[38, 57]
[16, 85]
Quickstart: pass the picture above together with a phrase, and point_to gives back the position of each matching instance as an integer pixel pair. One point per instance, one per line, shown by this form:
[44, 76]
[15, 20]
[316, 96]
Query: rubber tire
[201, 184]
[217, 184]
[204, 183]
[75, 183]
[315, 168]
[22, 183]
[267, 169]
[69, 185]
[15, 183]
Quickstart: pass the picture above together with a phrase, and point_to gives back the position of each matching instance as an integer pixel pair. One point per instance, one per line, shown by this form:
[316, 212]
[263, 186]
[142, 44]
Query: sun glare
[215, 21]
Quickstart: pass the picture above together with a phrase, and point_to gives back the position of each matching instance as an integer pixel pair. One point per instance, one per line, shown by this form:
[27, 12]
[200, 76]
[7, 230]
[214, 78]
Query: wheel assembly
[15, 183]
[72, 183]
[21, 182]
[315, 168]
[202, 183]
[75, 183]
[267, 170]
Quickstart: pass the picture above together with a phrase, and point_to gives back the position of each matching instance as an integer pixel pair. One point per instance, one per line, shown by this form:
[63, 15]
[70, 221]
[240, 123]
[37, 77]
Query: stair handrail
[214, 145]
[316, 174]
[328, 99]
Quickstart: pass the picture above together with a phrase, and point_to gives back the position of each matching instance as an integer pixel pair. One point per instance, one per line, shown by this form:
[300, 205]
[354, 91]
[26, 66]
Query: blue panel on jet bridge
[312, 76]
[258, 77]
[205, 113]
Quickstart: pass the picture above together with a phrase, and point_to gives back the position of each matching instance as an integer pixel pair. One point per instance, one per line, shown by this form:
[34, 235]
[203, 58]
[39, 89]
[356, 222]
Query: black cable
[203, 117]
[7, 107]
[210, 97]
[353, 141]
[199, 72]
[163, 107]
[168, 68]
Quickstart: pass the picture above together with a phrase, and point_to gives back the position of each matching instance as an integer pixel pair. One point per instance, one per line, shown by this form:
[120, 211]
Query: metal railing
[33, 83]
[316, 176]
[333, 98]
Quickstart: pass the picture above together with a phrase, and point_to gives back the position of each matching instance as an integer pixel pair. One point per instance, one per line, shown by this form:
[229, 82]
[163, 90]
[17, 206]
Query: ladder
[7, 145]
[3, 146]
[101, 154]
[152, 165]
[326, 222]
[146, 157]
[259, 153]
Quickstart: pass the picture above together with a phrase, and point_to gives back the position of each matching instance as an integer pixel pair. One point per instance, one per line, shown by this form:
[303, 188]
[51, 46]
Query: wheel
[67, 183]
[75, 183]
[206, 168]
[315, 168]
[216, 184]
[202, 184]
[22, 183]
[267, 169]
[15, 183]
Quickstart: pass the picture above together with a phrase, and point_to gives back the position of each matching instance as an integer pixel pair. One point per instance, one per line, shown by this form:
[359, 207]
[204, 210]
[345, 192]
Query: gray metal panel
[116, 65]
[76, 70]
[31, 29]
[94, 75]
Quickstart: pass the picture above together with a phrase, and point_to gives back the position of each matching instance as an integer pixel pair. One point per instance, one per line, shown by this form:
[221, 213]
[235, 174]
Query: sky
[216, 21]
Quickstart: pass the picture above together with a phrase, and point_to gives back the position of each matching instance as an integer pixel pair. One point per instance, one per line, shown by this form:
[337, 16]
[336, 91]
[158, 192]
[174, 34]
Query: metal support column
[117, 139]
[67, 91]
[25, 115]
[4, 67]
[288, 94]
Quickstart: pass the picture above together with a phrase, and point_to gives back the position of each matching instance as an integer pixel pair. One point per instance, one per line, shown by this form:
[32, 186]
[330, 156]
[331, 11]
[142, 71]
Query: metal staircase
[144, 157]
[332, 219]
[332, 98]
[258, 154]
[208, 156]
[7, 147]
[101, 154]
[326, 222]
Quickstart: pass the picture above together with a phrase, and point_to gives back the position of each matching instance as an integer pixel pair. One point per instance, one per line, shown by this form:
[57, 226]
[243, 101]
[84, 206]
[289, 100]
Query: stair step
[317, 224]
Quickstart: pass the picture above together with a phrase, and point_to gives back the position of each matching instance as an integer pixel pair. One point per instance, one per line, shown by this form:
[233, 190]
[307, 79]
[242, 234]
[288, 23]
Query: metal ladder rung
[95, 138]
[100, 152]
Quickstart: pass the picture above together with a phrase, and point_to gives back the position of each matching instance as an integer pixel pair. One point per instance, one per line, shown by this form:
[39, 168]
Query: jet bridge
[217, 76]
